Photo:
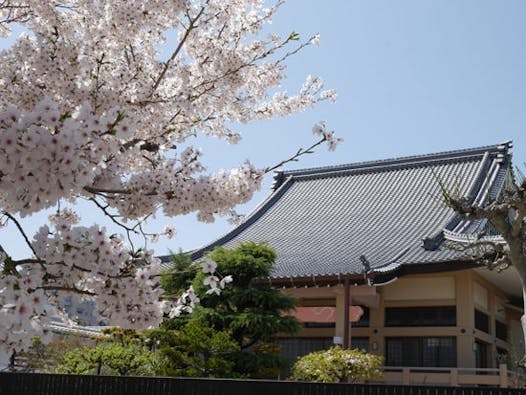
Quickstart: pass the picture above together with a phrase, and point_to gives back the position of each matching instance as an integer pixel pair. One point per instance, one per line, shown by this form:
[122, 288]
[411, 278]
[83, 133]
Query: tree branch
[28, 262]
[114, 219]
[21, 230]
[98, 191]
[295, 157]
[177, 50]
[67, 289]
[493, 254]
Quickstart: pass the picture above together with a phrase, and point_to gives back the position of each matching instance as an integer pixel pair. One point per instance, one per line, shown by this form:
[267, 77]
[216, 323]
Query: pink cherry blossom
[89, 110]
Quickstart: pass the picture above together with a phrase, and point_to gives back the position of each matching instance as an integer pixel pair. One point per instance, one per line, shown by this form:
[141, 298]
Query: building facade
[457, 319]
[362, 247]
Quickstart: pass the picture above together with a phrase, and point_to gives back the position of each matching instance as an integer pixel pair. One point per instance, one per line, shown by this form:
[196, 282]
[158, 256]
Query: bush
[337, 365]
[120, 352]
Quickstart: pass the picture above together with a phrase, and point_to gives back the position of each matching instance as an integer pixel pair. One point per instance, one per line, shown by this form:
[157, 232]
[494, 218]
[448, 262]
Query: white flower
[319, 128]
[213, 290]
[208, 266]
[169, 232]
[211, 281]
[224, 281]
[175, 311]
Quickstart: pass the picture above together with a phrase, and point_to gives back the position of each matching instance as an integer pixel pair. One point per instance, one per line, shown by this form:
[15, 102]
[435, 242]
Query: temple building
[362, 248]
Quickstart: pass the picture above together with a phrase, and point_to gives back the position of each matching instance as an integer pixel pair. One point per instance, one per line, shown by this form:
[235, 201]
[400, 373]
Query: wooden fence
[496, 377]
[56, 384]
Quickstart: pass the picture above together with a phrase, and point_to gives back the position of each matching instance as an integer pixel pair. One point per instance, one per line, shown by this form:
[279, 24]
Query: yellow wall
[422, 288]
[465, 289]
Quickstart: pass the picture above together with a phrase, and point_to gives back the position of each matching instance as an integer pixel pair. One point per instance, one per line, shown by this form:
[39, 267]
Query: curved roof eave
[253, 216]
[492, 158]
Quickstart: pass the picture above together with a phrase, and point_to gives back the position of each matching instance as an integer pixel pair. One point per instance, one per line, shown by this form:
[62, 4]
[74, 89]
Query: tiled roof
[79, 330]
[374, 217]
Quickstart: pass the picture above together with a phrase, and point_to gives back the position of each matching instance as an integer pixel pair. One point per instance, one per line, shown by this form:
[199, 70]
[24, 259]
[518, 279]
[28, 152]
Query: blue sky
[413, 77]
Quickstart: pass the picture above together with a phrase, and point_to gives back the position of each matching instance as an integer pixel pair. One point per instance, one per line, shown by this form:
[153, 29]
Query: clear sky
[413, 77]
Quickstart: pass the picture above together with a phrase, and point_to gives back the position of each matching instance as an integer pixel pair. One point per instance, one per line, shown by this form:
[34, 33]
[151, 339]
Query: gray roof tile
[321, 220]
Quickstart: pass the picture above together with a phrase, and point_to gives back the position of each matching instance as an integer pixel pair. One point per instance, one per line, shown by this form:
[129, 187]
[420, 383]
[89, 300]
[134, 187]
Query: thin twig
[21, 230]
[113, 217]
[296, 156]
[177, 50]
[67, 289]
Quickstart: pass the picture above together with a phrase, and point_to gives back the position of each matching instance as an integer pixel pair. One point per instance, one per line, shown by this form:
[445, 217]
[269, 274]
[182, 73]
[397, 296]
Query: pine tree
[249, 310]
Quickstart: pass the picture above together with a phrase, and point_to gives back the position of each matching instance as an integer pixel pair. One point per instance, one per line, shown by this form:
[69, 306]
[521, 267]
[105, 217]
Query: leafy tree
[337, 365]
[46, 357]
[194, 351]
[119, 352]
[179, 276]
[250, 312]
[110, 359]
[90, 110]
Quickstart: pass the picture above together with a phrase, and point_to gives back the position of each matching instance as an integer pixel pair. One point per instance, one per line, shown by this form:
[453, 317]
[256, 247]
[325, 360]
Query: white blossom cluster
[189, 299]
[23, 313]
[328, 135]
[88, 262]
[91, 109]
[41, 165]
[90, 265]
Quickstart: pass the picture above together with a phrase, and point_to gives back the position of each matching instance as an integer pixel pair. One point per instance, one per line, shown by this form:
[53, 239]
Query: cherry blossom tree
[89, 111]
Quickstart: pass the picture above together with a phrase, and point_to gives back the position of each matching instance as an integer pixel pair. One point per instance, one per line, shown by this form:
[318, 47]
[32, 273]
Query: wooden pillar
[346, 307]
[492, 363]
[503, 375]
[465, 320]
[453, 377]
[342, 332]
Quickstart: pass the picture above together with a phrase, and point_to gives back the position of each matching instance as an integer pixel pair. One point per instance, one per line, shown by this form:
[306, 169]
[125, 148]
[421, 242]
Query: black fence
[56, 384]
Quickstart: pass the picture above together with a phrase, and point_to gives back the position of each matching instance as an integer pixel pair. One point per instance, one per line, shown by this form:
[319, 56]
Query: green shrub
[110, 359]
[337, 365]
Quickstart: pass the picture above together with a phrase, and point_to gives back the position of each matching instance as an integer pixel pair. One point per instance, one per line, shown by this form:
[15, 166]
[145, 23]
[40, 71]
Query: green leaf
[294, 36]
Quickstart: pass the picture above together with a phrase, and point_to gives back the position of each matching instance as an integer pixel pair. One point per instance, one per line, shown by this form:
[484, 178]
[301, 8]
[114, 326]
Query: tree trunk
[518, 260]
[523, 323]
[12, 361]
[520, 265]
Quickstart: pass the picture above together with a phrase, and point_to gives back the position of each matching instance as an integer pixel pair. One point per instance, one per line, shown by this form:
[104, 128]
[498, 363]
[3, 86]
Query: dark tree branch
[20, 262]
[21, 230]
[296, 156]
[114, 218]
[191, 27]
[66, 289]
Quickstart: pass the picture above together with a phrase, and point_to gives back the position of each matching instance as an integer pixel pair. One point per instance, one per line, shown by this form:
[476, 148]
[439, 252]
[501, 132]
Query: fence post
[406, 376]
[503, 375]
[453, 376]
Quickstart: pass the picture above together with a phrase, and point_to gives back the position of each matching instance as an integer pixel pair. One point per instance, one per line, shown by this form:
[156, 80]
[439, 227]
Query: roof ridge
[394, 162]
